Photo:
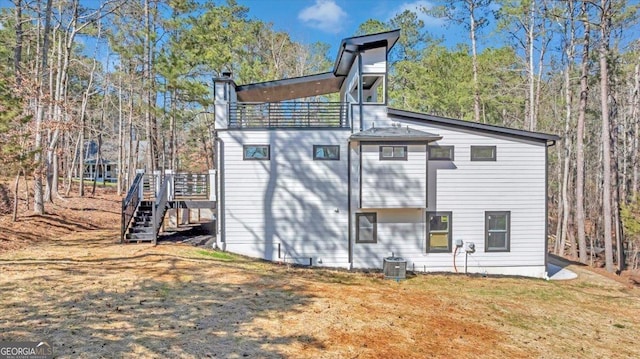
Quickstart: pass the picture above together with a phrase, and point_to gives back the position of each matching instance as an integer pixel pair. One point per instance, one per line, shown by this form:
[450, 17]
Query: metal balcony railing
[288, 114]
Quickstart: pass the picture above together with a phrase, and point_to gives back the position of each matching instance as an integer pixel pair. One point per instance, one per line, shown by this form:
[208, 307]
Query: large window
[256, 152]
[326, 152]
[483, 153]
[366, 227]
[439, 232]
[497, 236]
[398, 153]
[441, 153]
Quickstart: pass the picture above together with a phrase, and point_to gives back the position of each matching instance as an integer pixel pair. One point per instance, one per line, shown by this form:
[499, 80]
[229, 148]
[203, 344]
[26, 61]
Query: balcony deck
[288, 115]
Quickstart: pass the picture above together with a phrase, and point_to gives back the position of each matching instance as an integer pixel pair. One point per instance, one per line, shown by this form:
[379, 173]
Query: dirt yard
[64, 277]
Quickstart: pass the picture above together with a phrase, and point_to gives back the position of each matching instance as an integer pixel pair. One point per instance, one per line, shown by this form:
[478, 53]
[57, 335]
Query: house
[102, 171]
[347, 184]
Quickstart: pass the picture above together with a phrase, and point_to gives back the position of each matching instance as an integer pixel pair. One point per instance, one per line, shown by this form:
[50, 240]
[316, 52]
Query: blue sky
[330, 21]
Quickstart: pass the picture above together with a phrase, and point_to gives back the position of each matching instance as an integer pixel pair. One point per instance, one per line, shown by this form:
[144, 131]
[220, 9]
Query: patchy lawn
[64, 277]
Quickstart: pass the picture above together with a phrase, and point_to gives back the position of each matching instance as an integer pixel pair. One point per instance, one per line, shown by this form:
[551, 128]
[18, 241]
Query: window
[483, 153]
[366, 228]
[393, 153]
[256, 152]
[439, 232]
[443, 153]
[326, 152]
[497, 231]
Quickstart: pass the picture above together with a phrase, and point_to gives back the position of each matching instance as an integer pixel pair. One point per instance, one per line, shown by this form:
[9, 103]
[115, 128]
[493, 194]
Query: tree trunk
[147, 90]
[120, 165]
[580, 172]
[606, 134]
[635, 118]
[474, 59]
[16, 188]
[17, 52]
[38, 194]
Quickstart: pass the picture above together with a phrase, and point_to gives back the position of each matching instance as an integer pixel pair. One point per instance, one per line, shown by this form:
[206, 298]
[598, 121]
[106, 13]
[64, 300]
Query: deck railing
[130, 204]
[288, 114]
[160, 206]
[191, 186]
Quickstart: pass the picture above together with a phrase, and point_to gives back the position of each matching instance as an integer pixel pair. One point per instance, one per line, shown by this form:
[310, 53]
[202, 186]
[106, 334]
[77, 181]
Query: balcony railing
[288, 114]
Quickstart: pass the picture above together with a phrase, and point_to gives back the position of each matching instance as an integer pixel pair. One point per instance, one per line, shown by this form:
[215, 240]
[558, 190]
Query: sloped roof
[318, 84]
[482, 127]
[390, 134]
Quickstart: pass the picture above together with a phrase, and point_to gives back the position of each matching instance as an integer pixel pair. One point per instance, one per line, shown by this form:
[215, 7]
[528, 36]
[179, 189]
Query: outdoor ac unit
[394, 268]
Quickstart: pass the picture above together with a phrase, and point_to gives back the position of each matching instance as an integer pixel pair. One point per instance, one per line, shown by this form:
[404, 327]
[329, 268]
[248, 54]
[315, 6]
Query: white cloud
[418, 7]
[324, 15]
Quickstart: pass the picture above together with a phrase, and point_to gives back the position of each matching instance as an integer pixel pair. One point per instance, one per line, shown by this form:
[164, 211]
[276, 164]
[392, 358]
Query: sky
[330, 21]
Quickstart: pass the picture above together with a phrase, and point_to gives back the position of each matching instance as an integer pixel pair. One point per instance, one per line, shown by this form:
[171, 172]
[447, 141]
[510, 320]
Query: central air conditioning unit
[394, 268]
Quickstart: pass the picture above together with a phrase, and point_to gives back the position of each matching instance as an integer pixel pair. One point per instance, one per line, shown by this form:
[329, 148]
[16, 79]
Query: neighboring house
[102, 171]
[347, 184]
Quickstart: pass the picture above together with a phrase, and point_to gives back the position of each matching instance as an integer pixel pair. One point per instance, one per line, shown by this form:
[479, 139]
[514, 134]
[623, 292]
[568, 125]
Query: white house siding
[400, 233]
[393, 183]
[374, 60]
[515, 183]
[290, 200]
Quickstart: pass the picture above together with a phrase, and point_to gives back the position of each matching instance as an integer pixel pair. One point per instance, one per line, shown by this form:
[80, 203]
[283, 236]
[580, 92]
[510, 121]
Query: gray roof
[392, 134]
[318, 84]
[482, 127]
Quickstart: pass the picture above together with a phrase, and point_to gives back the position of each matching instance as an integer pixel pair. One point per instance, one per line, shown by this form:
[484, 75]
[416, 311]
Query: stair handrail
[130, 204]
[160, 205]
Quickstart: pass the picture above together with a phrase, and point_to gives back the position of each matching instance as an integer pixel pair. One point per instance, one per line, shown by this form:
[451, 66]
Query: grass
[222, 256]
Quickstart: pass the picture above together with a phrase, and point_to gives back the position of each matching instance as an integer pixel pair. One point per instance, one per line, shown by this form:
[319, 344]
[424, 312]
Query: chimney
[227, 74]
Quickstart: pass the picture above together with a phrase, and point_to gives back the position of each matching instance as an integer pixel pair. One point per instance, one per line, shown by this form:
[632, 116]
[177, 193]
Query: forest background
[133, 79]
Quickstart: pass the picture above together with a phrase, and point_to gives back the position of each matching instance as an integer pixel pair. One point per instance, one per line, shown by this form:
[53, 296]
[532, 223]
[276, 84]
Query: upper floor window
[256, 152]
[326, 152]
[393, 153]
[444, 153]
[483, 153]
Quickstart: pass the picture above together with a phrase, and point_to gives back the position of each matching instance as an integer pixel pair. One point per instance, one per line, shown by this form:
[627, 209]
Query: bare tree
[582, 110]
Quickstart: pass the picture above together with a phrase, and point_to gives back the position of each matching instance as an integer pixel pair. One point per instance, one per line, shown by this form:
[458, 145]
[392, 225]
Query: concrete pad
[556, 272]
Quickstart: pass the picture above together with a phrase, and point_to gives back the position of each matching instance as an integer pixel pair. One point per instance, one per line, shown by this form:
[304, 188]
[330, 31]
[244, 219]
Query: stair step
[141, 229]
[140, 236]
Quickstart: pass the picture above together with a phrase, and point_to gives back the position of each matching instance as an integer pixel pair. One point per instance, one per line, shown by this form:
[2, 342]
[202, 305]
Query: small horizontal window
[441, 153]
[256, 152]
[326, 152]
[393, 153]
[483, 153]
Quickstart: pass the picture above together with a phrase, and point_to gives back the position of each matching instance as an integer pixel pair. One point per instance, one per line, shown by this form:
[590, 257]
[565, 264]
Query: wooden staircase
[141, 228]
[149, 198]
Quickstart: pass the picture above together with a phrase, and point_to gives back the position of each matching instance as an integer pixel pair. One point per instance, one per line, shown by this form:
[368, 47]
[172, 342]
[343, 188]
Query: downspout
[546, 205]
[349, 220]
[360, 84]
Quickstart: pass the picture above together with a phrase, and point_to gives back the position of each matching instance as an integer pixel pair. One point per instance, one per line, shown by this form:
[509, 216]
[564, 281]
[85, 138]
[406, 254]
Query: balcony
[288, 115]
